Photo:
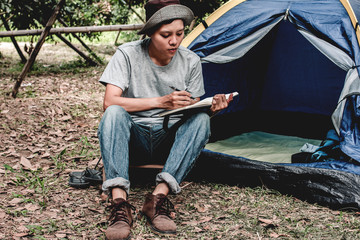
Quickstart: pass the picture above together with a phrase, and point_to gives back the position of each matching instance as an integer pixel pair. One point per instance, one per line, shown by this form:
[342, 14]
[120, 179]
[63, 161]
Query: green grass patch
[33, 180]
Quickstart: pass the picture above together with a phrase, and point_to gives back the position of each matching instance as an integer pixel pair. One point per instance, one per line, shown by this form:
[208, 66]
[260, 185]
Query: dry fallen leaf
[191, 223]
[22, 229]
[11, 150]
[274, 235]
[19, 235]
[26, 163]
[2, 214]
[45, 155]
[65, 118]
[32, 207]
[15, 201]
[267, 221]
[60, 235]
[194, 222]
[201, 209]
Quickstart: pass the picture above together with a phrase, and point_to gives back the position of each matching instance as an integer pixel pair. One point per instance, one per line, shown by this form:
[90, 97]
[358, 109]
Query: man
[139, 81]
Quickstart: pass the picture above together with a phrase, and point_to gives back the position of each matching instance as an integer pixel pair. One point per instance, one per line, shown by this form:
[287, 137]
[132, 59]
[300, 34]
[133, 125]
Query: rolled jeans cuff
[170, 180]
[116, 182]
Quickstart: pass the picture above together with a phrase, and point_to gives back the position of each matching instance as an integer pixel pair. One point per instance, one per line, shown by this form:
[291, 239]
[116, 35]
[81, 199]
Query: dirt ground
[50, 130]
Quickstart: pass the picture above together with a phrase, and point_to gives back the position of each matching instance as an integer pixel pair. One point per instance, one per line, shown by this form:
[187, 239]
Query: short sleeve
[196, 82]
[117, 72]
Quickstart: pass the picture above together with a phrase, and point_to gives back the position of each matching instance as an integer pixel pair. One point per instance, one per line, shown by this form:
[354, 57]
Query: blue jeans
[123, 141]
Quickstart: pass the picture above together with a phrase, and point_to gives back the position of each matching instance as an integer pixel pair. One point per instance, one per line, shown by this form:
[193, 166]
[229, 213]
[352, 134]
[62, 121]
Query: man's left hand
[220, 102]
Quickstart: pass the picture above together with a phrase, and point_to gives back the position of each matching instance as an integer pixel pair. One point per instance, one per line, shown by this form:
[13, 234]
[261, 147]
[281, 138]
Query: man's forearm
[133, 104]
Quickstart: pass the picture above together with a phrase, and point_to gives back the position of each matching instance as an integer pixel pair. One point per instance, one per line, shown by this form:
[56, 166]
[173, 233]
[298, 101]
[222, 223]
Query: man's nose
[173, 40]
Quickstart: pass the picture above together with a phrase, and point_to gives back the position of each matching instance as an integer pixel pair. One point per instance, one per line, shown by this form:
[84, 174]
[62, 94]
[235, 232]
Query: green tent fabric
[261, 146]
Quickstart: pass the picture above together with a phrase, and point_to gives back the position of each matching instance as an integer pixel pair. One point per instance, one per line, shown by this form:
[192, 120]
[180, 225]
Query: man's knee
[115, 111]
[114, 115]
[201, 122]
[202, 119]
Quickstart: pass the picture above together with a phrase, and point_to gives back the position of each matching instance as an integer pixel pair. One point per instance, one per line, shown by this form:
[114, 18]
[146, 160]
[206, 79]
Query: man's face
[166, 40]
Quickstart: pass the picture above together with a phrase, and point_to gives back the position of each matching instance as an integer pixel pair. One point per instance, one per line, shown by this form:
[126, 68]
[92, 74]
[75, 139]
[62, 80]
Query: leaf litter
[50, 130]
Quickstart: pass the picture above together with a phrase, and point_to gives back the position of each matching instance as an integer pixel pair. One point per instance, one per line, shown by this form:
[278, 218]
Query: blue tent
[296, 66]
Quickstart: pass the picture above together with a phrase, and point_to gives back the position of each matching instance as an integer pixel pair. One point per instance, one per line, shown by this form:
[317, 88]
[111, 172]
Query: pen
[175, 89]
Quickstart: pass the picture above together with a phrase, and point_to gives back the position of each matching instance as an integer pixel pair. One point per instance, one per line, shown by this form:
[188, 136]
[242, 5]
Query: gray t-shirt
[132, 69]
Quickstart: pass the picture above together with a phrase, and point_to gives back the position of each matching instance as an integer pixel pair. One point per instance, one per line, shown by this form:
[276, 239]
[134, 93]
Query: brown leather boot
[157, 211]
[120, 219]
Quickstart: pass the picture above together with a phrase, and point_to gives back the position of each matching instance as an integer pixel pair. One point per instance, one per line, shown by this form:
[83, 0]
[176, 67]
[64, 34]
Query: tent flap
[350, 128]
[240, 48]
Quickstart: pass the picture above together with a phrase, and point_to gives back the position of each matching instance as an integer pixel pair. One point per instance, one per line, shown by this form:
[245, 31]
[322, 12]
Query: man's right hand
[177, 99]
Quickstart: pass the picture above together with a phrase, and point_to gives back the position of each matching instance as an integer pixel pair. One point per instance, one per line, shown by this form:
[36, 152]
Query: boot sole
[154, 229]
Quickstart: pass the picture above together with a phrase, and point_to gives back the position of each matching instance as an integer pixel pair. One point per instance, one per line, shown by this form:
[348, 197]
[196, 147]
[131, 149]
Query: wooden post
[37, 48]
[83, 43]
[117, 37]
[21, 55]
[87, 59]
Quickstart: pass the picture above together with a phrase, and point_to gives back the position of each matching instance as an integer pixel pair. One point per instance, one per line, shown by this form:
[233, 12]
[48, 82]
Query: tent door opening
[287, 90]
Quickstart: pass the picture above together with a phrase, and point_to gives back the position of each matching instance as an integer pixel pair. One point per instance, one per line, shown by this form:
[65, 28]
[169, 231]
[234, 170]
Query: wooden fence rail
[85, 29]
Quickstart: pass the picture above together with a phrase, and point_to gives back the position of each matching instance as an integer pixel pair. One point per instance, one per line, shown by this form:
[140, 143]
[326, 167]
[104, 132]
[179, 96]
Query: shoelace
[163, 207]
[118, 212]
